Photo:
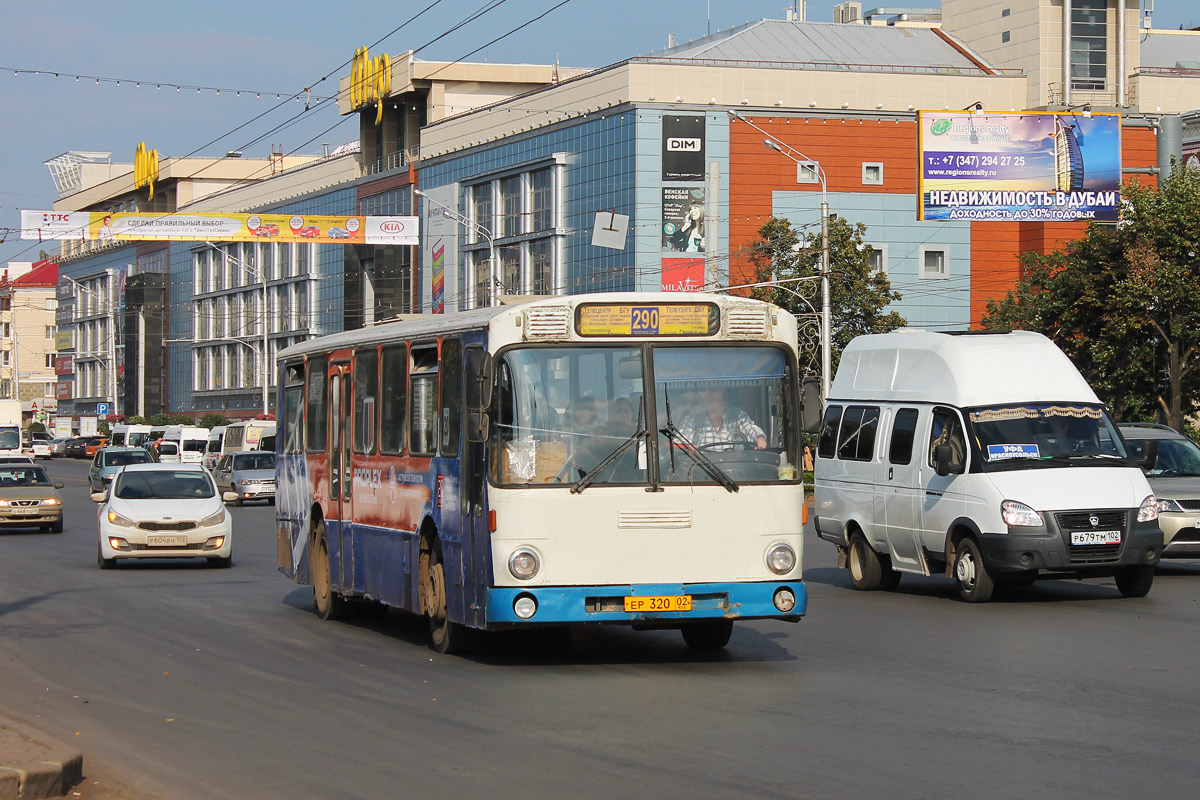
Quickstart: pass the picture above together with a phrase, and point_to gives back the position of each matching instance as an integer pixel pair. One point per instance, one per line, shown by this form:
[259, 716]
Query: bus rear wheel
[707, 635]
[328, 603]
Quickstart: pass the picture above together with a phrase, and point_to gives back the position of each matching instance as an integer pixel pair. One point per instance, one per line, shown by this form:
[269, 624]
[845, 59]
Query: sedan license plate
[1095, 537]
[166, 541]
[675, 602]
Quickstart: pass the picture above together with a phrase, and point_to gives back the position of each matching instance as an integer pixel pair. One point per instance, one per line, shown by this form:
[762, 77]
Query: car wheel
[707, 635]
[1135, 581]
[221, 562]
[866, 570]
[975, 585]
[56, 527]
[328, 603]
[105, 563]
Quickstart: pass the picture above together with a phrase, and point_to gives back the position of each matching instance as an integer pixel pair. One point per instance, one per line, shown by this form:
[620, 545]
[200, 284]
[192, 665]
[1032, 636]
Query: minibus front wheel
[868, 571]
[975, 585]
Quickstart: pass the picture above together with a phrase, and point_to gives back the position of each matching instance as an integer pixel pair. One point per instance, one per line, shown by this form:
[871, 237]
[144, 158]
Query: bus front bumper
[654, 605]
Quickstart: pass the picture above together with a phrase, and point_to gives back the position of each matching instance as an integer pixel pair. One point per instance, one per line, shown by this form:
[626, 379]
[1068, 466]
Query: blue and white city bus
[608, 458]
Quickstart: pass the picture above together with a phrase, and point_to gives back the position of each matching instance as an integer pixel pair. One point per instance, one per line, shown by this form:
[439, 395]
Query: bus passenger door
[339, 469]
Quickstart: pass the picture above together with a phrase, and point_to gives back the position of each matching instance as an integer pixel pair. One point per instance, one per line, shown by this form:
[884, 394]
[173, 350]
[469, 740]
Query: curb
[32, 765]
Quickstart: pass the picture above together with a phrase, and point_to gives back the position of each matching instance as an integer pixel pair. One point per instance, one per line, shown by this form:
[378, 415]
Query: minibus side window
[947, 429]
[903, 432]
[857, 439]
[829, 432]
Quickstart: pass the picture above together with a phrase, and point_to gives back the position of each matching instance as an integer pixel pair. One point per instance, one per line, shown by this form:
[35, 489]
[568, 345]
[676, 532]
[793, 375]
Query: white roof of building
[964, 370]
[1171, 50]
[826, 44]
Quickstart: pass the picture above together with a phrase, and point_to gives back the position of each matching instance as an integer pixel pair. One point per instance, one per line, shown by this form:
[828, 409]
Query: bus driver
[714, 422]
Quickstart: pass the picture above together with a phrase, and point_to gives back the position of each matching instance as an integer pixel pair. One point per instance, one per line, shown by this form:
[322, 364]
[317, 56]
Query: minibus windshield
[1044, 435]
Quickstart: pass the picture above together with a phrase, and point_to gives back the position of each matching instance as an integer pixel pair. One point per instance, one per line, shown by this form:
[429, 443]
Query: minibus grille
[1082, 521]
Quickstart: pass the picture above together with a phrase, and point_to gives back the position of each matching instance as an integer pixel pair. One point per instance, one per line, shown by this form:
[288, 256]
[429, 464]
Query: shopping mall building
[514, 169]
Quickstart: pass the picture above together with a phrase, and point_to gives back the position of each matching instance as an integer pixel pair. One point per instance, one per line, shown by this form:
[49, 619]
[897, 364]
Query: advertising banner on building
[440, 251]
[64, 365]
[1010, 167]
[682, 274]
[64, 339]
[683, 219]
[134, 227]
[683, 148]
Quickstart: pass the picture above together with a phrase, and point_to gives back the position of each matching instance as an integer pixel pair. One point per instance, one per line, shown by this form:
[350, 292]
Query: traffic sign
[101, 408]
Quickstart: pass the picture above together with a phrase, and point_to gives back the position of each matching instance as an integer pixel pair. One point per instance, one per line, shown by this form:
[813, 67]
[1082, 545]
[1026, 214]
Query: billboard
[134, 227]
[682, 274]
[683, 148]
[1014, 167]
[683, 219]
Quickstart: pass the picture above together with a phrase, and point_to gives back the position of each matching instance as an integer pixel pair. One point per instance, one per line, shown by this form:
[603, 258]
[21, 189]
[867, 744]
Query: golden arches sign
[370, 81]
[145, 167]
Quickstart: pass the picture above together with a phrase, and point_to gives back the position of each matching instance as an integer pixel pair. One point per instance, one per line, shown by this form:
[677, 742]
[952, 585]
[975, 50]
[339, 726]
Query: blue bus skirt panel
[563, 604]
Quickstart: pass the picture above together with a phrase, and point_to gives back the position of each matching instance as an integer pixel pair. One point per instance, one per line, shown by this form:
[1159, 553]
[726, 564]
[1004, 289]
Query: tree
[858, 296]
[1121, 302]
[211, 421]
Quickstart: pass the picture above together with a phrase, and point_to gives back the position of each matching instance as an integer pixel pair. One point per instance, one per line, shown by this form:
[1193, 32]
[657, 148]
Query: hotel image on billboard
[1048, 167]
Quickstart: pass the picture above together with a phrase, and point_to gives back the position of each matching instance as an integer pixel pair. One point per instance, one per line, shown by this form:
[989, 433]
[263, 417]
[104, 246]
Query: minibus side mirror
[943, 463]
[1149, 455]
[810, 405]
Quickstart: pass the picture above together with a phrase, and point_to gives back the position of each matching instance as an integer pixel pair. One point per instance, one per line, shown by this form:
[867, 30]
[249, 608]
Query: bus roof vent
[548, 322]
[746, 322]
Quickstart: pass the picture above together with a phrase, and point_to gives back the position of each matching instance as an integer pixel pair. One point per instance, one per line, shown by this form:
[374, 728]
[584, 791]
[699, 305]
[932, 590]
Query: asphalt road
[188, 682]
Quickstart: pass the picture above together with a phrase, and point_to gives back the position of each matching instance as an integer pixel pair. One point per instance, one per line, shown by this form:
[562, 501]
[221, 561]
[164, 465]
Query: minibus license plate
[677, 602]
[166, 541]
[1095, 537]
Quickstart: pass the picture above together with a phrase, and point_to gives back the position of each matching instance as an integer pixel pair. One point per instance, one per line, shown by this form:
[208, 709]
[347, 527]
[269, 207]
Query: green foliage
[37, 427]
[159, 420]
[136, 420]
[211, 421]
[102, 428]
[1121, 302]
[857, 296]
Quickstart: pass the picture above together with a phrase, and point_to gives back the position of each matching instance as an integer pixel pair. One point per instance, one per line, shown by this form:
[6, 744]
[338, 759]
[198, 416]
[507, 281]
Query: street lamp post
[261, 274]
[803, 161]
[493, 279]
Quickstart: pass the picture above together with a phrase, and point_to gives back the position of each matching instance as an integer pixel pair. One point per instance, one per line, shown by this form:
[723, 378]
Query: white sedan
[163, 511]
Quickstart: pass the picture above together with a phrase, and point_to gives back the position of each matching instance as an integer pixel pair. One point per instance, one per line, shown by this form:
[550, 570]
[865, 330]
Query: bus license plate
[1095, 537]
[677, 602]
[166, 541]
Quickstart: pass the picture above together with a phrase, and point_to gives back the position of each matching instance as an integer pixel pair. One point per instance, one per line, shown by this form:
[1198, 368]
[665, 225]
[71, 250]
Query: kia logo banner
[683, 148]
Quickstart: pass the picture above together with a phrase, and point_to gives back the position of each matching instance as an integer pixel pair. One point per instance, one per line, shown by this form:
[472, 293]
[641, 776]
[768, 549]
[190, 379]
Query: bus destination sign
[648, 319]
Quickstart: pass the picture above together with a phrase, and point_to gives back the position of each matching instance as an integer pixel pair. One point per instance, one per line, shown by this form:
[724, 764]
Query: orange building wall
[839, 145]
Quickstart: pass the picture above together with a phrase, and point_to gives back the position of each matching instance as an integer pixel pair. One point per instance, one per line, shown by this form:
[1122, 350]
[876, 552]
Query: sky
[265, 49]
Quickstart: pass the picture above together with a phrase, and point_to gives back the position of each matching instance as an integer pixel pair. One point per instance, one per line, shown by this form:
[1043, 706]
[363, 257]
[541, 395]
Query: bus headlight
[781, 558]
[523, 564]
[525, 606]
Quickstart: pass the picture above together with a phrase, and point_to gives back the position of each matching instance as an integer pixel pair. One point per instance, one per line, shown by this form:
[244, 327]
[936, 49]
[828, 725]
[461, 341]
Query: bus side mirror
[477, 425]
[480, 375]
[810, 405]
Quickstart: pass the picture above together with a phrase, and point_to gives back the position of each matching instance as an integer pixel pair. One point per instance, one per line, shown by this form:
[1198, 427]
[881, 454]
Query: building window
[51, 330]
[872, 173]
[49, 361]
[481, 211]
[878, 259]
[5, 330]
[510, 206]
[808, 172]
[1004, 13]
[1005, 36]
[934, 263]
[1089, 44]
[542, 196]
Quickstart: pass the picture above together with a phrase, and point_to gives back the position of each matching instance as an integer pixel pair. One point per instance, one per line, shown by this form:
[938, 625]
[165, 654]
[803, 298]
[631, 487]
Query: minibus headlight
[523, 564]
[1148, 512]
[1019, 515]
[1169, 505]
[781, 558]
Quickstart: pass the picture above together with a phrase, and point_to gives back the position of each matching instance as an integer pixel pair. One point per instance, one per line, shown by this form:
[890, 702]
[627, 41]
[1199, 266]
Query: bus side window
[316, 424]
[450, 370]
[293, 411]
[423, 416]
[394, 384]
[366, 388]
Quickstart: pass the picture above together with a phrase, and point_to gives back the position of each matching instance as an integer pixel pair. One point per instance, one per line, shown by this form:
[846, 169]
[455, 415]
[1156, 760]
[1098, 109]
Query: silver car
[249, 475]
[1171, 462]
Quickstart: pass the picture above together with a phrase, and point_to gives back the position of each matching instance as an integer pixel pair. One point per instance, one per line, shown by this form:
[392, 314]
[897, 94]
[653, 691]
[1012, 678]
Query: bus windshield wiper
[590, 478]
[674, 435]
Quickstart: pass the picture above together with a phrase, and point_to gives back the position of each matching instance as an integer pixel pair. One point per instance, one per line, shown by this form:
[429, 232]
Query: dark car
[75, 448]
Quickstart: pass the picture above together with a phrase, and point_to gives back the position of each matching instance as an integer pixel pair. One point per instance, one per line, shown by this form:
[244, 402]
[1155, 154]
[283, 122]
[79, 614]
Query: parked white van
[212, 452]
[190, 440]
[985, 456]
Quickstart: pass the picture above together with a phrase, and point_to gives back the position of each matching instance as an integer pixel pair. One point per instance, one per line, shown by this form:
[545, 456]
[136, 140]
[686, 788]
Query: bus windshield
[1044, 435]
[579, 416]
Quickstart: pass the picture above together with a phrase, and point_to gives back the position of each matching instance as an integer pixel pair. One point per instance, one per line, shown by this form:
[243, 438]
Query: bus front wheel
[328, 603]
[445, 636]
[707, 635]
